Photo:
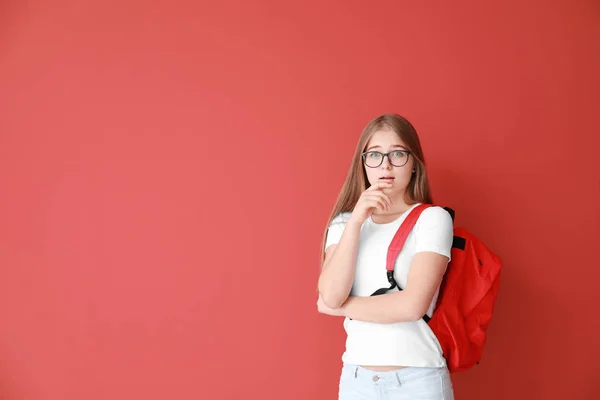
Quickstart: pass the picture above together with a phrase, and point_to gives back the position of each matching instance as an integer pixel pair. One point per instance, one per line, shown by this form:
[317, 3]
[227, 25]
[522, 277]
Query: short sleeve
[336, 228]
[434, 231]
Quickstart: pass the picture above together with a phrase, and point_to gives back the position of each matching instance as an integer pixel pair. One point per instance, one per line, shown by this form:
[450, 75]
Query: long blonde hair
[356, 181]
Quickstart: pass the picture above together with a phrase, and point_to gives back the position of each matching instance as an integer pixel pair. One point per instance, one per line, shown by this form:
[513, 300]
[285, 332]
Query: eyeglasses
[398, 158]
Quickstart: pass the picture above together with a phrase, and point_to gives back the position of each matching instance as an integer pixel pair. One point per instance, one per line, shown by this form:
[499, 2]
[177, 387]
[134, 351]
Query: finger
[377, 197]
[381, 196]
[378, 203]
[386, 197]
[379, 185]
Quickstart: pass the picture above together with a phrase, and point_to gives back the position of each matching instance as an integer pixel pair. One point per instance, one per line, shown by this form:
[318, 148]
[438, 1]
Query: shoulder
[435, 213]
[435, 217]
[434, 231]
[341, 219]
[336, 228]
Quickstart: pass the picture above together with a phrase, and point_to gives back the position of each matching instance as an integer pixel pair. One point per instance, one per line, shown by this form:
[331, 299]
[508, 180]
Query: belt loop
[398, 377]
[356, 372]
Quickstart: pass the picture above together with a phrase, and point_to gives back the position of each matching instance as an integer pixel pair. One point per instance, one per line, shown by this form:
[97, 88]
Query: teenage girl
[391, 353]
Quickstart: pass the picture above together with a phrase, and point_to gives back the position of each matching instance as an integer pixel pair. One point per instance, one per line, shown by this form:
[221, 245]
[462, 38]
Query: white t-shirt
[403, 343]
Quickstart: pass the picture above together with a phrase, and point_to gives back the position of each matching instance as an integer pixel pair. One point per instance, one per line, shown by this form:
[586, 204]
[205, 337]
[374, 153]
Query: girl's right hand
[371, 199]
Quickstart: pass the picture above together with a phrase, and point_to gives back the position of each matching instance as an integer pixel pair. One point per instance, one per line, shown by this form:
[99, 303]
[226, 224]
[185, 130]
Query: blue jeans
[358, 383]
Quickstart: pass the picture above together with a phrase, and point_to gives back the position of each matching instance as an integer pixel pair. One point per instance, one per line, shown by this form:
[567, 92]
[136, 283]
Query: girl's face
[398, 172]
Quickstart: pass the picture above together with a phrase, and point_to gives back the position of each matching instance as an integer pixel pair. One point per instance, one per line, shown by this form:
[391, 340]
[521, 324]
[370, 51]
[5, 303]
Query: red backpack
[467, 294]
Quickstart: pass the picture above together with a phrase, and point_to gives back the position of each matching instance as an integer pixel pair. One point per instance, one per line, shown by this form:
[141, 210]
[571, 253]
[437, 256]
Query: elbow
[331, 297]
[331, 300]
[404, 315]
[416, 311]
[415, 316]
[413, 306]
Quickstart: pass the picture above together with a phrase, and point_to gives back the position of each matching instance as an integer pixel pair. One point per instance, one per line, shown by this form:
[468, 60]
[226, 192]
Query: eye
[374, 154]
[398, 154]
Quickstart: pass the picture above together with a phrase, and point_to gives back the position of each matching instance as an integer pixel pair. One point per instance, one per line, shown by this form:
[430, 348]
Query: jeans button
[375, 378]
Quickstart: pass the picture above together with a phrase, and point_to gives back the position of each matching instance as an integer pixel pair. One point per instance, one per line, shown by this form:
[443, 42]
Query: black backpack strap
[391, 280]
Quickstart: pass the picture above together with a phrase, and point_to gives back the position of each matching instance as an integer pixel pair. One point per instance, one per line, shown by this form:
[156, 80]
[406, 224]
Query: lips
[387, 178]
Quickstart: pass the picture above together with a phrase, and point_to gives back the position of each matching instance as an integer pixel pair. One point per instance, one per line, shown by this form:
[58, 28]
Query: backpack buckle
[390, 277]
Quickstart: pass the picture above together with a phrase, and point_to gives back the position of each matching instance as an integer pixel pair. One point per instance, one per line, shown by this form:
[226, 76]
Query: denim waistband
[397, 377]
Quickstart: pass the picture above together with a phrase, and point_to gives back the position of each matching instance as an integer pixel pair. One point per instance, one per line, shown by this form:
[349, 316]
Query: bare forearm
[384, 309]
[337, 276]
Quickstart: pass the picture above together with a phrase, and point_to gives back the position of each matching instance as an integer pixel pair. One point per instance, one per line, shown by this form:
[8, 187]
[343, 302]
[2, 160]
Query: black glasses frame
[384, 155]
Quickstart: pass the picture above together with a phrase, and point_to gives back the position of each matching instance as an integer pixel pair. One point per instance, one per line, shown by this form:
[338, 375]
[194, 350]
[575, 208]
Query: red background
[167, 168]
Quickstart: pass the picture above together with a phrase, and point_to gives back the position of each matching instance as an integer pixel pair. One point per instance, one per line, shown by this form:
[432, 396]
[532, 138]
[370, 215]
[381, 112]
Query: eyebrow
[395, 145]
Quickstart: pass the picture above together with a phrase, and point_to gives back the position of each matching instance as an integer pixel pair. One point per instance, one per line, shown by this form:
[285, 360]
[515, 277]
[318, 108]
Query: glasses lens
[373, 159]
[398, 158]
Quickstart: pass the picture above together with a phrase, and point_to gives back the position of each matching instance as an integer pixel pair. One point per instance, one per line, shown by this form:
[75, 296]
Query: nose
[386, 164]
